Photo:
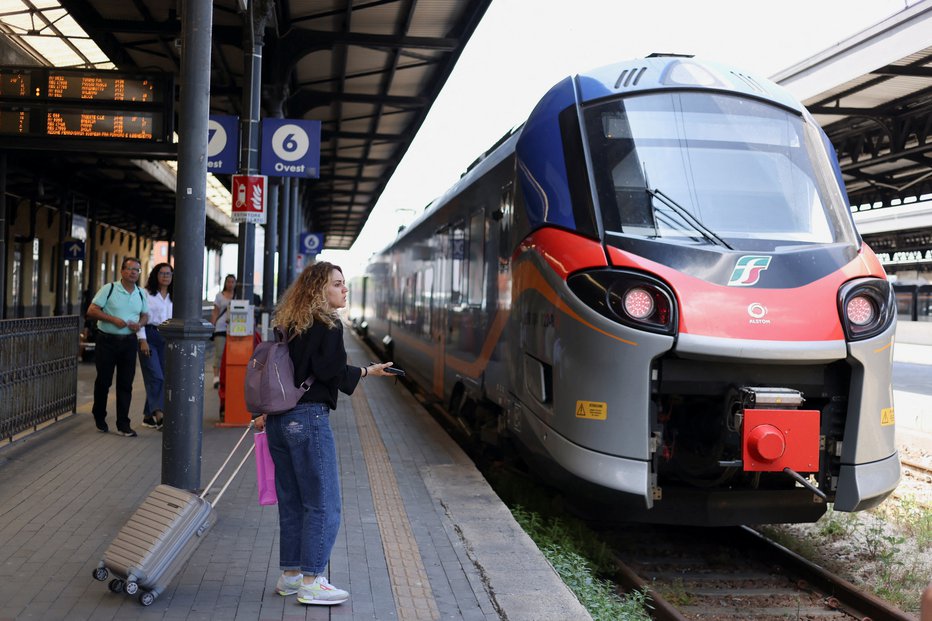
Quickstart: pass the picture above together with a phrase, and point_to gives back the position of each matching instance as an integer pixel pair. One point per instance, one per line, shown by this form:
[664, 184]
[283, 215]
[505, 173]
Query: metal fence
[38, 371]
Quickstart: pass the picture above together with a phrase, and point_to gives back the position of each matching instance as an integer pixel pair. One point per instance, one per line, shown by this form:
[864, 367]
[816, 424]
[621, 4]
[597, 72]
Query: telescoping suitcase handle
[252, 447]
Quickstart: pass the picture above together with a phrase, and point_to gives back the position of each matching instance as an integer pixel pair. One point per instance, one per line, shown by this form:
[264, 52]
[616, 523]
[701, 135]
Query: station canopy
[368, 70]
[872, 93]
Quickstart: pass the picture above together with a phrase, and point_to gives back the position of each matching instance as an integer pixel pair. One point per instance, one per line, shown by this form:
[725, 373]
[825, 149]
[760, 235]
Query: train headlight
[638, 303]
[631, 298]
[867, 307]
[860, 310]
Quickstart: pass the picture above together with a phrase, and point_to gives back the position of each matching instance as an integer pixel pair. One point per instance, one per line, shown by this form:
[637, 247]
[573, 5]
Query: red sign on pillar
[249, 198]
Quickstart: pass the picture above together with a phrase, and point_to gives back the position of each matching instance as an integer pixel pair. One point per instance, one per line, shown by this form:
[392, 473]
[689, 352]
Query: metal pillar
[93, 261]
[271, 243]
[257, 15]
[63, 264]
[186, 333]
[284, 236]
[297, 225]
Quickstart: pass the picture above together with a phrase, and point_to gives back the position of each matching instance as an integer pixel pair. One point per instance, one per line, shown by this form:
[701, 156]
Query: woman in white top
[152, 345]
[220, 317]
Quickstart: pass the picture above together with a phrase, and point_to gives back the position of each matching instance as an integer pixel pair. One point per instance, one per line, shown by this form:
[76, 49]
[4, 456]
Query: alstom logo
[747, 270]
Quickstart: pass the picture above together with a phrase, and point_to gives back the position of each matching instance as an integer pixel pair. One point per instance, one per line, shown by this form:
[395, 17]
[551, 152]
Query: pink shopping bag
[265, 471]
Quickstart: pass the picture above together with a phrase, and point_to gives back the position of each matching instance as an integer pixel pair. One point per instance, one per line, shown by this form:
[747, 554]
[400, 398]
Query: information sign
[290, 148]
[44, 102]
[74, 250]
[249, 198]
[312, 243]
[222, 143]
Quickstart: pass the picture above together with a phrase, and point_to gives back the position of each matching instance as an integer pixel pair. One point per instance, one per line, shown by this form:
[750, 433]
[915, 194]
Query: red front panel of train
[778, 439]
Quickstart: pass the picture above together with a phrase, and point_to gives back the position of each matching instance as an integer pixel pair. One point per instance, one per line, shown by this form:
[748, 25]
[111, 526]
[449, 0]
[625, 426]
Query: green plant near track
[578, 572]
[579, 556]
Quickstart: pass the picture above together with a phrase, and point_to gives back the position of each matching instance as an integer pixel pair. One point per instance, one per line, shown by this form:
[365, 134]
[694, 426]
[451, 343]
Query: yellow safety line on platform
[414, 599]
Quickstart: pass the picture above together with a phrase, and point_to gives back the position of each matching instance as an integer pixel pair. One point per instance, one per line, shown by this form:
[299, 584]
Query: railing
[38, 371]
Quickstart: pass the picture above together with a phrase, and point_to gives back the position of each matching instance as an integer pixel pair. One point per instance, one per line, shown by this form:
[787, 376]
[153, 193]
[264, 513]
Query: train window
[459, 264]
[506, 207]
[476, 268]
[426, 290]
[727, 168]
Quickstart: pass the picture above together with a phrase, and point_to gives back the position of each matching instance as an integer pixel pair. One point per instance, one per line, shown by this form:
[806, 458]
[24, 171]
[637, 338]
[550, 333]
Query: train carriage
[655, 291]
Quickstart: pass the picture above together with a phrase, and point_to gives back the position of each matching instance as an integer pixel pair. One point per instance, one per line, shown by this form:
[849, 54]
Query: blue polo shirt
[115, 300]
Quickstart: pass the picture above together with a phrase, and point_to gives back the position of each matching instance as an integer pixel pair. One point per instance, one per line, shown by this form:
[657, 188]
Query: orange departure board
[76, 103]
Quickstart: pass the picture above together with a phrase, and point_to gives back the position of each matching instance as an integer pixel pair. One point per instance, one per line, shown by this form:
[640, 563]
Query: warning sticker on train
[594, 410]
[886, 417]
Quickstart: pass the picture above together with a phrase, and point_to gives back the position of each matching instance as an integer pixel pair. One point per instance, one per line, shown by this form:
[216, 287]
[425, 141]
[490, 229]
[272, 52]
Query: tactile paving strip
[414, 600]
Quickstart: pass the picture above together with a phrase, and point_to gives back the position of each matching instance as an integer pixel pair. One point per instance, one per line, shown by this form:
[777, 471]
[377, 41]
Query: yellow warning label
[594, 410]
[886, 416]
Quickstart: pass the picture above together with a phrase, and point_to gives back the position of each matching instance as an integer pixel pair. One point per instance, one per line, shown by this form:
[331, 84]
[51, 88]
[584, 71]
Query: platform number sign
[312, 243]
[222, 143]
[290, 148]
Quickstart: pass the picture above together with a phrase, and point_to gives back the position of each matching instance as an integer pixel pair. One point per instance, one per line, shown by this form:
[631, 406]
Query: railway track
[922, 469]
[736, 573]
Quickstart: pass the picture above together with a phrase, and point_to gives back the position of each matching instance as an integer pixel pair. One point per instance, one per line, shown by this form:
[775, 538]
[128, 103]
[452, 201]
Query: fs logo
[747, 271]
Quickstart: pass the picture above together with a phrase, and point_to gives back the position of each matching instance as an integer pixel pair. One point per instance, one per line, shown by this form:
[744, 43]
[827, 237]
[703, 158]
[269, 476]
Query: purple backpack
[270, 385]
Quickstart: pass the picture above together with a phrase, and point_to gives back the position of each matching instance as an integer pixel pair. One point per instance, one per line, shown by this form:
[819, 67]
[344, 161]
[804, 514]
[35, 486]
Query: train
[653, 293]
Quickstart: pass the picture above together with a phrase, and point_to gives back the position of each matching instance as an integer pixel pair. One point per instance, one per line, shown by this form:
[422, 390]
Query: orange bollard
[238, 352]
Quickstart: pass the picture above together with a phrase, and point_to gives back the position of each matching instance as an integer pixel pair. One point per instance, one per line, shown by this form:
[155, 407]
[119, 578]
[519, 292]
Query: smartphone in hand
[394, 370]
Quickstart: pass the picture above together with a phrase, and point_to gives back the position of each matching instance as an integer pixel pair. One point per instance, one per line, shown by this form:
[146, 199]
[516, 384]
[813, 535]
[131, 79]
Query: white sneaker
[288, 585]
[321, 593]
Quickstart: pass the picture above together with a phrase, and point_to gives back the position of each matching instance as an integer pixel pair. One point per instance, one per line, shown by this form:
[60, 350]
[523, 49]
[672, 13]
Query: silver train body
[653, 290]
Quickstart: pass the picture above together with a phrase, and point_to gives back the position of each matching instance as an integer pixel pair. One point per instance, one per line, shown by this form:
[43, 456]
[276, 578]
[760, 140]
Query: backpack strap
[280, 337]
[110, 292]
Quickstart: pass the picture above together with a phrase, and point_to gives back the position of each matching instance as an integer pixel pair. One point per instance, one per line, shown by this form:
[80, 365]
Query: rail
[38, 371]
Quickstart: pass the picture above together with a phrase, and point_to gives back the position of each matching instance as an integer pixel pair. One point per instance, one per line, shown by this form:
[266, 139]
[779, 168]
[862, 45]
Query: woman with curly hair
[152, 345]
[301, 441]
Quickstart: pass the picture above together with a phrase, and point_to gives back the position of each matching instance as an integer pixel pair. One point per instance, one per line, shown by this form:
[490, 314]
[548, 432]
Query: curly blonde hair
[305, 301]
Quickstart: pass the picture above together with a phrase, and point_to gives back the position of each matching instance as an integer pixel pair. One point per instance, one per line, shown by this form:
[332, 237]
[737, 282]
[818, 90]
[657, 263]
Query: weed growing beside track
[575, 552]
[887, 550]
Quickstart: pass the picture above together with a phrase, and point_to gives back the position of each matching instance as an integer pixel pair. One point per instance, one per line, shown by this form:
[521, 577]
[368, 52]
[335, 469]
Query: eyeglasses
[165, 273]
[132, 269]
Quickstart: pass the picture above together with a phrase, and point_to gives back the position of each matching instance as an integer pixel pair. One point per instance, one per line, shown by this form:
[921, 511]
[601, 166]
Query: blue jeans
[308, 486]
[153, 372]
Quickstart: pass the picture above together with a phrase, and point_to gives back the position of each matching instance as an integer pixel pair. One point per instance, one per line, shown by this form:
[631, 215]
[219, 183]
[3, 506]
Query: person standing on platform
[301, 440]
[152, 345]
[120, 309]
[220, 317]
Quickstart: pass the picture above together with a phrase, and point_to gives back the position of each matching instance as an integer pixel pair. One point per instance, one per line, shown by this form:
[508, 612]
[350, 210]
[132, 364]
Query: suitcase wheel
[116, 585]
[131, 588]
[146, 598]
[101, 573]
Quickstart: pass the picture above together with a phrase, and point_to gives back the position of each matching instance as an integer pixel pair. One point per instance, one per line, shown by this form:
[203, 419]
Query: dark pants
[114, 352]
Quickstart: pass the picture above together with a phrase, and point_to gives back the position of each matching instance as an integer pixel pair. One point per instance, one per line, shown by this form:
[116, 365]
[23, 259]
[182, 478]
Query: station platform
[423, 536]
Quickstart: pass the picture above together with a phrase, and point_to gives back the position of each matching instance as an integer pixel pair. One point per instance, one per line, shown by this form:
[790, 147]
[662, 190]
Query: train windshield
[704, 168]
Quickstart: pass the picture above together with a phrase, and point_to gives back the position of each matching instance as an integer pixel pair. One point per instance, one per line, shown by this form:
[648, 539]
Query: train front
[702, 328]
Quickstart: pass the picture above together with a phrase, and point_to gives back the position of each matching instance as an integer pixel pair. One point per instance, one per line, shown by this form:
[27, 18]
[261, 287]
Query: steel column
[186, 333]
